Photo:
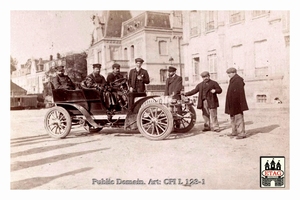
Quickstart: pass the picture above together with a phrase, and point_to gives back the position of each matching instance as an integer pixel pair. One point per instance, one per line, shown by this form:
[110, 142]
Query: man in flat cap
[62, 81]
[95, 79]
[236, 103]
[137, 79]
[208, 101]
[112, 77]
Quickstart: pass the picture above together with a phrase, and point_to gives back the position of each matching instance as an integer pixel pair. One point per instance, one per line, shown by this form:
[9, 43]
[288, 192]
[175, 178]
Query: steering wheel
[119, 82]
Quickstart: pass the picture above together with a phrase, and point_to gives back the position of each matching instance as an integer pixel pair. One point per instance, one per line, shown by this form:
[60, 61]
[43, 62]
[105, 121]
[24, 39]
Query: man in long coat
[236, 103]
[137, 79]
[173, 84]
[208, 101]
[173, 87]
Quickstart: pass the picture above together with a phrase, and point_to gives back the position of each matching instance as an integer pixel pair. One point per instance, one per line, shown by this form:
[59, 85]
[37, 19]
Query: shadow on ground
[31, 183]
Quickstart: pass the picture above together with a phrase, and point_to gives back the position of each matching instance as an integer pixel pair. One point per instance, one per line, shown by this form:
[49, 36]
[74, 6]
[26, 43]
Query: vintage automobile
[155, 117]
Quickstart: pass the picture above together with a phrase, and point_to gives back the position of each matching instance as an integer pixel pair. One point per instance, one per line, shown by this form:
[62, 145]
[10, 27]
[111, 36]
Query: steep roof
[113, 24]
[16, 89]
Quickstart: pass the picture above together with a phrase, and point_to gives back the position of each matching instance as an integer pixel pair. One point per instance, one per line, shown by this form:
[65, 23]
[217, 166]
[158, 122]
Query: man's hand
[131, 89]
[213, 91]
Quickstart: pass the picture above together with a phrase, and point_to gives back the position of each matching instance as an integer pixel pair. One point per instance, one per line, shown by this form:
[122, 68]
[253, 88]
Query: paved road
[114, 159]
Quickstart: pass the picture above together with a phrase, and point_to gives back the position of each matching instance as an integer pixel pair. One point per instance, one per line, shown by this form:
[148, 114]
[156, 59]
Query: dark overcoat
[174, 85]
[212, 98]
[235, 98]
[138, 85]
[63, 82]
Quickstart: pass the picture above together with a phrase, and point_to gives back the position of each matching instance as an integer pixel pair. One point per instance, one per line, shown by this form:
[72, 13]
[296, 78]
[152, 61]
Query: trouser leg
[205, 115]
[214, 119]
[240, 124]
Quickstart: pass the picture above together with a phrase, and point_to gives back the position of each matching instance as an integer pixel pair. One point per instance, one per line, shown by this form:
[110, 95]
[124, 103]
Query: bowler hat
[116, 65]
[139, 60]
[172, 69]
[231, 70]
[59, 68]
[97, 65]
[204, 74]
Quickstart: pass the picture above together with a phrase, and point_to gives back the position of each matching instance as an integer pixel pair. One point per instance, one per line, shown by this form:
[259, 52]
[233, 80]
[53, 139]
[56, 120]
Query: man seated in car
[115, 89]
[62, 81]
[97, 81]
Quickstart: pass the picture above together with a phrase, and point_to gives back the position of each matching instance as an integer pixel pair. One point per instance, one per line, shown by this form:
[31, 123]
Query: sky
[39, 34]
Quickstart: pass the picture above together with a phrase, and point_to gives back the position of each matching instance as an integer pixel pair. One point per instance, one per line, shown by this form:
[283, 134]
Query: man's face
[116, 70]
[96, 70]
[60, 72]
[138, 64]
[230, 75]
[171, 74]
[205, 78]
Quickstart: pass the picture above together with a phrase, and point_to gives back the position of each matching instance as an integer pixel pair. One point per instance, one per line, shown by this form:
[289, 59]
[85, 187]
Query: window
[132, 53]
[210, 23]
[100, 57]
[236, 16]
[196, 70]
[163, 75]
[193, 23]
[238, 58]
[261, 98]
[212, 65]
[261, 58]
[125, 54]
[163, 50]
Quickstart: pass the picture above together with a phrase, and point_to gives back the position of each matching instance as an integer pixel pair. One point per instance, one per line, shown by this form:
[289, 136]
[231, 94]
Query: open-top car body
[155, 117]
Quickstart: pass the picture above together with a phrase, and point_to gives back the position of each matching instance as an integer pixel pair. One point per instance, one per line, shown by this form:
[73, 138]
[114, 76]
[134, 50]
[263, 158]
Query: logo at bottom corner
[272, 171]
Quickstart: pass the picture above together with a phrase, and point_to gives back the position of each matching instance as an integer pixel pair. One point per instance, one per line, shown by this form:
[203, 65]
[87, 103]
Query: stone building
[255, 42]
[153, 36]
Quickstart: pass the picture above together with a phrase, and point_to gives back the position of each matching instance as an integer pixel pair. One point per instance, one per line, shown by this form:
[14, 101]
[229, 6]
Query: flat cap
[231, 70]
[139, 60]
[59, 68]
[116, 65]
[97, 65]
[204, 74]
[172, 69]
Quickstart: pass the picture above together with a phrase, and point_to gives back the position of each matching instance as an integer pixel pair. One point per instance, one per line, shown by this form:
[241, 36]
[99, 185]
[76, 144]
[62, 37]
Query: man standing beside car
[208, 101]
[137, 79]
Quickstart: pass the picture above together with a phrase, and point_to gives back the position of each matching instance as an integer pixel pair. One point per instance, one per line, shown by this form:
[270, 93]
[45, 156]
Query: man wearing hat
[137, 79]
[236, 103]
[208, 101]
[111, 77]
[173, 84]
[62, 81]
[95, 79]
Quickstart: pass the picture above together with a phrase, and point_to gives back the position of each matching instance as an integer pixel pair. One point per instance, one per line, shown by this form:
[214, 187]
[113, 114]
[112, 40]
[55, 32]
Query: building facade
[152, 36]
[255, 42]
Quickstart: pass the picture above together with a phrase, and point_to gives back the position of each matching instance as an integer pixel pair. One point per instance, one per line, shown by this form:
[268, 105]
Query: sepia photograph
[125, 99]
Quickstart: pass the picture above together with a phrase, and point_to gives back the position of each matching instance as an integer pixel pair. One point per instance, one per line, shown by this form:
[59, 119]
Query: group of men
[207, 91]
[208, 101]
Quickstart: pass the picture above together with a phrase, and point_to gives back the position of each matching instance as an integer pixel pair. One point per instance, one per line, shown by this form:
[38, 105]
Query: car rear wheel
[155, 121]
[186, 121]
[57, 122]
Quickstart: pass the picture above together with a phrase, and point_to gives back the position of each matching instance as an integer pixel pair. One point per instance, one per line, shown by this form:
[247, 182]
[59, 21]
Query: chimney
[51, 57]
[58, 56]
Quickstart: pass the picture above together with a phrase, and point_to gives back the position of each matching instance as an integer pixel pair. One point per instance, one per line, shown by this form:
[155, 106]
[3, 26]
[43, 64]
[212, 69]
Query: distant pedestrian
[236, 103]
[208, 101]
